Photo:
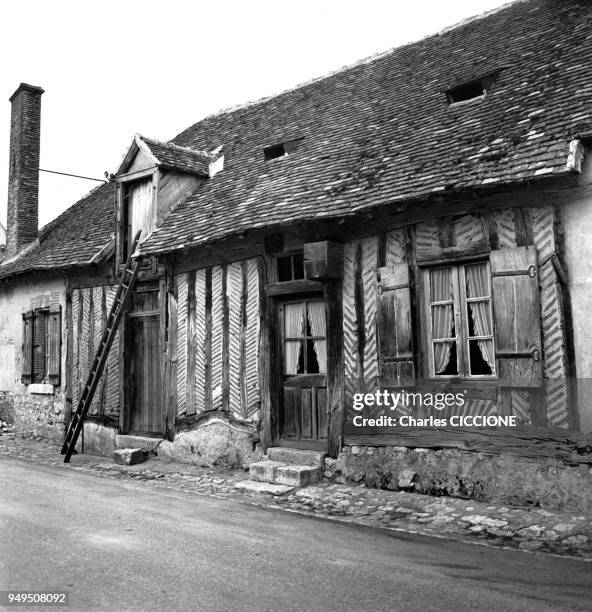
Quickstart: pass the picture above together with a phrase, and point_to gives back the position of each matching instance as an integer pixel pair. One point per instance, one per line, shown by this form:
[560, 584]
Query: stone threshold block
[129, 456]
[295, 456]
[254, 486]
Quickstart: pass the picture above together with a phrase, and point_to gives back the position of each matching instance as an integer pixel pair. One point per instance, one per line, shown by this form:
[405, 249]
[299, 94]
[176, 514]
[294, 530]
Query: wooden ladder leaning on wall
[118, 308]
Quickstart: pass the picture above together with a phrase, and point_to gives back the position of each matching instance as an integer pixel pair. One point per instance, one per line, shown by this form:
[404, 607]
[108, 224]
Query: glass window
[290, 267]
[305, 338]
[460, 330]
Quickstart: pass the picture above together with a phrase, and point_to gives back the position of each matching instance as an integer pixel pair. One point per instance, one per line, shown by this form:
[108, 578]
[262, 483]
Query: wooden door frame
[125, 356]
[331, 291]
[277, 349]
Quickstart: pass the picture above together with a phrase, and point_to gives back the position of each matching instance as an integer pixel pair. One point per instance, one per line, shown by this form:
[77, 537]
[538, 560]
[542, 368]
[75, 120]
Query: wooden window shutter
[55, 344]
[516, 314]
[395, 338]
[27, 369]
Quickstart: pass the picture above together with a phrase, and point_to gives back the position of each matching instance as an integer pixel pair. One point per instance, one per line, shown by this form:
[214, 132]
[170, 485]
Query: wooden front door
[144, 367]
[303, 356]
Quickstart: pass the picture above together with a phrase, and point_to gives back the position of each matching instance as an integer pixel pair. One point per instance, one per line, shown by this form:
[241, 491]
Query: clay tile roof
[382, 131]
[72, 239]
[185, 159]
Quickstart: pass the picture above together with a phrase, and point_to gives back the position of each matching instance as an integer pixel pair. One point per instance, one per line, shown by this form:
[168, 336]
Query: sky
[112, 69]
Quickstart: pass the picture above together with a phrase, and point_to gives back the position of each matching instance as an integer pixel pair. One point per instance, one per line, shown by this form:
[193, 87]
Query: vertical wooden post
[266, 385]
[335, 366]
[208, 343]
[191, 344]
[225, 342]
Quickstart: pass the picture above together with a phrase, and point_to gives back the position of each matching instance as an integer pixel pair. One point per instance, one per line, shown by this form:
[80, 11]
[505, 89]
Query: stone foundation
[506, 479]
[216, 442]
[98, 439]
[39, 416]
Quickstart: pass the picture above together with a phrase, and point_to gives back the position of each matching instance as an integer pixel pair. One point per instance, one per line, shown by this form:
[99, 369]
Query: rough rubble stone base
[508, 479]
[214, 443]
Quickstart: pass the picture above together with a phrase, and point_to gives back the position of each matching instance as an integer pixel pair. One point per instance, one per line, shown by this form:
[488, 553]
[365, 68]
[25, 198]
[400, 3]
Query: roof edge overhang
[399, 206]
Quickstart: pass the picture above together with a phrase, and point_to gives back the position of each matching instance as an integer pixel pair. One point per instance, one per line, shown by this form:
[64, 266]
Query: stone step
[254, 486]
[264, 471]
[295, 456]
[144, 442]
[297, 475]
[129, 456]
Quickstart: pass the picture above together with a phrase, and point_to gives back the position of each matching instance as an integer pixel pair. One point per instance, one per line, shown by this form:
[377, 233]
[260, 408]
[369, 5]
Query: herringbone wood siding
[234, 289]
[217, 333]
[200, 329]
[182, 315]
[468, 229]
[252, 340]
[369, 265]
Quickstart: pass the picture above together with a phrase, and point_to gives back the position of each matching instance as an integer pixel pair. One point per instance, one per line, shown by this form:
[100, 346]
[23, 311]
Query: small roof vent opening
[467, 92]
[473, 90]
[282, 149]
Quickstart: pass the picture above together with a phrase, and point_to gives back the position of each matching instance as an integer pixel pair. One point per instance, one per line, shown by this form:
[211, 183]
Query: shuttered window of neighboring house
[42, 346]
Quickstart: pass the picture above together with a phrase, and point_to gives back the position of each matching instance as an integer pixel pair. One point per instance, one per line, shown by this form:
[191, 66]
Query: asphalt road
[120, 546]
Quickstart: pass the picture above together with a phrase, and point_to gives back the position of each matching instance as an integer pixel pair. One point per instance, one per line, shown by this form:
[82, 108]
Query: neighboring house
[418, 220]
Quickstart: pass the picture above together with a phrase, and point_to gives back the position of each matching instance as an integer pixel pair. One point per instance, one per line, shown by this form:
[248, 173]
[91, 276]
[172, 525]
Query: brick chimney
[23, 173]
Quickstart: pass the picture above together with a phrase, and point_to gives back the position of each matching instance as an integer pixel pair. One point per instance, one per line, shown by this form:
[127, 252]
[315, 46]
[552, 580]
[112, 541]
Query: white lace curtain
[478, 286]
[316, 318]
[293, 328]
[442, 316]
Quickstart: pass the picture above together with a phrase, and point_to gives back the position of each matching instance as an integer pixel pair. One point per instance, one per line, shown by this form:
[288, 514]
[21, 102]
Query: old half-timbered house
[419, 221]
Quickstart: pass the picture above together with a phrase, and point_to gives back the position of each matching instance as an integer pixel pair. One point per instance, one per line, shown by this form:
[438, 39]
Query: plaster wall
[41, 413]
[577, 227]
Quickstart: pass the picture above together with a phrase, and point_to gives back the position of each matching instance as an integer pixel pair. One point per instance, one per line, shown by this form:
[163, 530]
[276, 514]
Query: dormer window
[281, 149]
[153, 177]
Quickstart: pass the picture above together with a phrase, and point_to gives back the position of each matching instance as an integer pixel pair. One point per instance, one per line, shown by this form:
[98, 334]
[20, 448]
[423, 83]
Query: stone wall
[507, 479]
[40, 416]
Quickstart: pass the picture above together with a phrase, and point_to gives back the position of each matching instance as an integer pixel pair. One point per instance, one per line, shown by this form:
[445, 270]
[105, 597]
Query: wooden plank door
[303, 356]
[145, 375]
[144, 371]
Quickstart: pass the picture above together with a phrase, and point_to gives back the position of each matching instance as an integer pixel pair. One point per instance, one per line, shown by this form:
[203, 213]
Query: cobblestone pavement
[529, 529]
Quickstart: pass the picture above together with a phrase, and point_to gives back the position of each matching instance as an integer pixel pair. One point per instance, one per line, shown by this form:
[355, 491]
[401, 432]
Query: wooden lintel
[535, 442]
[439, 254]
[296, 286]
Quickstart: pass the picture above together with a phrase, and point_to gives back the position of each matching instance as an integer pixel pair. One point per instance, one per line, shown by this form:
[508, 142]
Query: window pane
[298, 260]
[316, 319]
[443, 322]
[481, 357]
[293, 357]
[294, 320]
[477, 277]
[284, 269]
[445, 361]
[440, 285]
[312, 358]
